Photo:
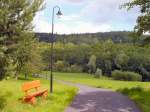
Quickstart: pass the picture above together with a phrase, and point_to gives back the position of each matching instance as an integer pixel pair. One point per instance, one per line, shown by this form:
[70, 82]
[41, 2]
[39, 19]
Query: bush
[73, 69]
[76, 68]
[67, 69]
[130, 91]
[98, 73]
[126, 76]
[59, 66]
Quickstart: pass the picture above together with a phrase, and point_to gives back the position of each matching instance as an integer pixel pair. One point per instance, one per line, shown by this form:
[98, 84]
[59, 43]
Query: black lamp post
[52, 43]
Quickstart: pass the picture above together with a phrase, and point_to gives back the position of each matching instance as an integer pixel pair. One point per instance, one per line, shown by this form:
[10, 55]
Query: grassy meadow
[11, 94]
[103, 82]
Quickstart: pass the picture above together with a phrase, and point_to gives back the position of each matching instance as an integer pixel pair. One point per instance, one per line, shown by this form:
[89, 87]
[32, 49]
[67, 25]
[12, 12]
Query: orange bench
[30, 96]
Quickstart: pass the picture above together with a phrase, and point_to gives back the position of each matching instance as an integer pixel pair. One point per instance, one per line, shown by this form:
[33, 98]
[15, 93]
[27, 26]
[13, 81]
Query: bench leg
[45, 94]
[33, 100]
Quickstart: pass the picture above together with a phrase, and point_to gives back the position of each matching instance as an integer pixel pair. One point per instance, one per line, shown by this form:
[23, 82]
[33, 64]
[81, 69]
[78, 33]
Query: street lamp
[59, 13]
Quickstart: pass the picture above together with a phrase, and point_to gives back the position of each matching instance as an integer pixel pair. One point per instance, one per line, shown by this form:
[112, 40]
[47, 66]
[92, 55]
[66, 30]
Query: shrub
[98, 73]
[76, 68]
[67, 69]
[130, 91]
[126, 76]
[59, 66]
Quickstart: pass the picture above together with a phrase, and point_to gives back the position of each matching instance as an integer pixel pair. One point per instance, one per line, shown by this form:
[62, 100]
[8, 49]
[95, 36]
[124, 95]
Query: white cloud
[108, 11]
[94, 16]
[60, 2]
[81, 27]
[72, 17]
[76, 1]
[41, 25]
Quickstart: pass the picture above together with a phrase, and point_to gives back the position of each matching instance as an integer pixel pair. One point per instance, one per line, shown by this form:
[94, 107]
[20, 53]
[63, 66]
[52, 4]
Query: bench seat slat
[37, 93]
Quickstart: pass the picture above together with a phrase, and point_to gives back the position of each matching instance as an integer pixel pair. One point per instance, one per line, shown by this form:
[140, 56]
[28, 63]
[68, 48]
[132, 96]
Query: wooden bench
[32, 90]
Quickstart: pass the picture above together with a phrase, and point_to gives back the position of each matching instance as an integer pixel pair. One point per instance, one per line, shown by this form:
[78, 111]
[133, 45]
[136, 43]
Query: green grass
[103, 82]
[11, 94]
[142, 97]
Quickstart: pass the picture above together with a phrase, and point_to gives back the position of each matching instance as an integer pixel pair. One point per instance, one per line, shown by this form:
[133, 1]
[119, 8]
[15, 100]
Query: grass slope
[132, 89]
[10, 93]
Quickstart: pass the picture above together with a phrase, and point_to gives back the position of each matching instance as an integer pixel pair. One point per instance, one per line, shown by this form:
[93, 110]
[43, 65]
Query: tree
[92, 64]
[59, 66]
[16, 24]
[122, 60]
[143, 21]
[98, 73]
[3, 63]
[21, 55]
[33, 64]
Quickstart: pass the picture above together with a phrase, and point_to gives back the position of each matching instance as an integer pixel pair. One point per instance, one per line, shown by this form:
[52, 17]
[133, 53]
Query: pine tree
[16, 18]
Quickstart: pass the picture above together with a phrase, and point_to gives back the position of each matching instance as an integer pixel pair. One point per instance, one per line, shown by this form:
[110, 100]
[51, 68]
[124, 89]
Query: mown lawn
[138, 91]
[11, 94]
[103, 82]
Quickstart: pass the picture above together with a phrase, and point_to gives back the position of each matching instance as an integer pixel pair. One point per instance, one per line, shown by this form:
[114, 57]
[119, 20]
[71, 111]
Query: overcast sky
[81, 16]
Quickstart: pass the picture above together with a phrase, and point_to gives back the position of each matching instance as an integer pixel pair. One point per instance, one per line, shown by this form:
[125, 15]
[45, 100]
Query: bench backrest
[30, 85]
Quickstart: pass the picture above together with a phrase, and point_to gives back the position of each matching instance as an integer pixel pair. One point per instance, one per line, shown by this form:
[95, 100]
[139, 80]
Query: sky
[86, 16]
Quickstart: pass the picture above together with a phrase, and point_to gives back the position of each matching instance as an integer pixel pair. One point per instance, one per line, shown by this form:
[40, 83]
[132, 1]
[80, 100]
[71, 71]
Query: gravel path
[90, 99]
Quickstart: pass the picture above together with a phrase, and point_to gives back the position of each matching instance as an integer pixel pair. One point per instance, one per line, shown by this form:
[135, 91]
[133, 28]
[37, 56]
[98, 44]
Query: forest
[91, 54]
[92, 38]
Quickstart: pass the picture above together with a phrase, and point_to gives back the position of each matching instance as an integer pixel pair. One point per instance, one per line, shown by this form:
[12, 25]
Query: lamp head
[59, 13]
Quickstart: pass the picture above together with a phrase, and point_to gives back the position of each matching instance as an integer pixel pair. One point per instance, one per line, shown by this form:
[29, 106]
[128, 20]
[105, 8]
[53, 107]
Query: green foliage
[59, 65]
[130, 91]
[143, 21]
[98, 73]
[3, 62]
[34, 63]
[75, 69]
[126, 76]
[139, 95]
[27, 57]
[107, 55]
[88, 38]
[122, 60]
[92, 64]
[15, 36]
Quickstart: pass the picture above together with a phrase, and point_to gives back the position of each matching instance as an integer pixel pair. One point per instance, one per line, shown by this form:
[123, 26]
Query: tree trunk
[25, 76]
[16, 75]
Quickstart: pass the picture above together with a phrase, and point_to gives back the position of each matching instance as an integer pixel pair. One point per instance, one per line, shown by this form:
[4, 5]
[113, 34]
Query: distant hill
[117, 37]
